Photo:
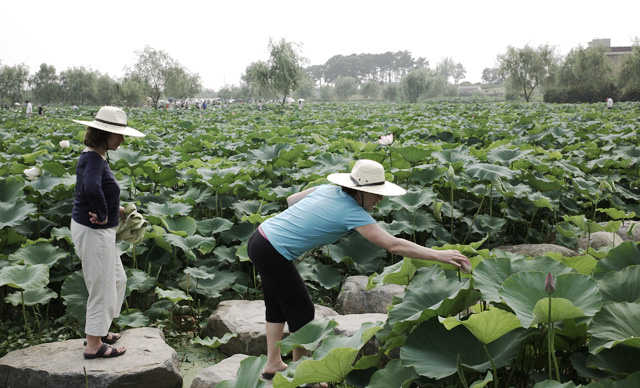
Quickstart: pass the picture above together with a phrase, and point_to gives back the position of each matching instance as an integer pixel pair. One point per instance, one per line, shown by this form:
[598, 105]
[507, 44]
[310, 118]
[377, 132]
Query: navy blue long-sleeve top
[97, 191]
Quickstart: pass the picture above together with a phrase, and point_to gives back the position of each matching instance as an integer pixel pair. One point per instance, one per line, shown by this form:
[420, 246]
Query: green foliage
[479, 176]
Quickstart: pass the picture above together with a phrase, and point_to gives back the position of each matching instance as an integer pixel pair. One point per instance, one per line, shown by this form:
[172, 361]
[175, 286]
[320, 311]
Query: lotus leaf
[213, 287]
[215, 341]
[11, 189]
[394, 374]
[75, 295]
[132, 318]
[433, 351]
[625, 254]
[31, 297]
[400, 273]
[173, 294]
[522, 291]
[308, 337]
[491, 273]
[331, 362]
[182, 226]
[431, 294]
[486, 326]
[12, 214]
[25, 277]
[616, 323]
[139, 280]
[621, 286]
[39, 253]
[168, 209]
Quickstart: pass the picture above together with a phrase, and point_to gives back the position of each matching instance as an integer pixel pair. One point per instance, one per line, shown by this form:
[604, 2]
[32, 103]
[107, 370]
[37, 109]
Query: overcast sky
[219, 39]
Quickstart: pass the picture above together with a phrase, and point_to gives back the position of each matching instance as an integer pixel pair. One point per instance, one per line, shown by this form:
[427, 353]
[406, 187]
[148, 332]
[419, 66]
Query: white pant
[103, 273]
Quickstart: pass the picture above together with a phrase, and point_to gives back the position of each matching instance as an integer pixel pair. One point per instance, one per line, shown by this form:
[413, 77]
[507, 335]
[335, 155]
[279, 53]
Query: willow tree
[161, 74]
[282, 73]
[527, 68]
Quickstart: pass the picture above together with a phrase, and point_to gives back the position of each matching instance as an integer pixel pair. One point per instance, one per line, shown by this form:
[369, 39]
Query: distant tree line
[383, 68]
[584, 75]
[154, 74]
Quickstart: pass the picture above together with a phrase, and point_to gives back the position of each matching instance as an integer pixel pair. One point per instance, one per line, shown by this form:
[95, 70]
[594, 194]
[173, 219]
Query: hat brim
[126, 131]
[388, 188]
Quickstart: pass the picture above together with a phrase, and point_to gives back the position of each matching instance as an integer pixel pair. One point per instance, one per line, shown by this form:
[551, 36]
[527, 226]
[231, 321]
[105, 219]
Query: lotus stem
[553, 362]
[451, 228]
[135, 262]
[24, 315]
[474, 216]
[493, 366]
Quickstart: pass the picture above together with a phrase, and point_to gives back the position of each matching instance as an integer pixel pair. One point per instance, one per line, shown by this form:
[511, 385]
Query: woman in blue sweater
[316, 217]
[96, 209]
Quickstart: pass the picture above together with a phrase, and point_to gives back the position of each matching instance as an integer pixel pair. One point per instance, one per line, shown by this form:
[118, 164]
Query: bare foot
[272, 369]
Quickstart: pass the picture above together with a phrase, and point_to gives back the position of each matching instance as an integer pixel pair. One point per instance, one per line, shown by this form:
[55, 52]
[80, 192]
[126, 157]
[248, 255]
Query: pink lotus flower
[386, 139]
[549, 284]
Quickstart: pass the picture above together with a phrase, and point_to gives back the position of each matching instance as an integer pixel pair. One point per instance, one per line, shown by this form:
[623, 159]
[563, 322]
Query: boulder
[624, 229]
[535, 250]
[247, 318]
[226, 369]
[148, 362]
[600, 240]
[355, 299]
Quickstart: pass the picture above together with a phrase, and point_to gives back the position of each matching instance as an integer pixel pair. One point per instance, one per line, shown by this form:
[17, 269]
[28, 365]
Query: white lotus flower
[32, 173]
[65, 144]
[386, 139]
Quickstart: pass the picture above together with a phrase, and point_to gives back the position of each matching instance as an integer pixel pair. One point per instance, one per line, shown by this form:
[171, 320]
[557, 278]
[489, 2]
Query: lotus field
[479, 175]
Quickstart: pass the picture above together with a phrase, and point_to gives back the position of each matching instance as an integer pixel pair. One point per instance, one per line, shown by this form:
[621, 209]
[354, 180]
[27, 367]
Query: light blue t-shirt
[320, 218]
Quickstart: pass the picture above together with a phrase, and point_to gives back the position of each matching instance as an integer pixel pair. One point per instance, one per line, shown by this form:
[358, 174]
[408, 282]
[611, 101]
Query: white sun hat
[112, 119]
[368, 176]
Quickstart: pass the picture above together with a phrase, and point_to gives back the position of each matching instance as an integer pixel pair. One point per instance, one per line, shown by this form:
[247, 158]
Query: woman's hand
[94, 219]
[451, 256]
[123, 217]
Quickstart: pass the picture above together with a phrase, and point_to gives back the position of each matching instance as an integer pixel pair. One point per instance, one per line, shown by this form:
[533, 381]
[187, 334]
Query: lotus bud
[65, 144]
[32, 173]
[451, 172]
[465, 267]
[386, 139]
[549, 284]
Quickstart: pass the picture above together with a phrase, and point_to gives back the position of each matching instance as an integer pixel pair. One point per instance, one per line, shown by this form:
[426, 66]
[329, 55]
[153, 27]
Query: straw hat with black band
[368, 176]
[112, 119]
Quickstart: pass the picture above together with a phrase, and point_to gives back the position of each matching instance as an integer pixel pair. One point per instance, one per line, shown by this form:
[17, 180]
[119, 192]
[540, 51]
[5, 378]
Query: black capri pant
[285, 295]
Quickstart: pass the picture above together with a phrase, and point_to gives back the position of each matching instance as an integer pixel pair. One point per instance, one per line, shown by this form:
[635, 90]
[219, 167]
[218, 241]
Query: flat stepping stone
[148, 362]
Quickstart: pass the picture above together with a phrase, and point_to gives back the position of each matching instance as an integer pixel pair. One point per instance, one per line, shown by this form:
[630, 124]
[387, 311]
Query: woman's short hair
[349, 190]
[96, 138]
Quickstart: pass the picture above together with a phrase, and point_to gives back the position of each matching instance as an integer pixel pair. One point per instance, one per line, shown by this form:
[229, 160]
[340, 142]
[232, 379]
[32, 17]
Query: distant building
[615, 53]
[466, 91]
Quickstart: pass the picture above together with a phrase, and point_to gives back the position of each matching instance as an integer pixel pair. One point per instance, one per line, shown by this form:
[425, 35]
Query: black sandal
[102, 352]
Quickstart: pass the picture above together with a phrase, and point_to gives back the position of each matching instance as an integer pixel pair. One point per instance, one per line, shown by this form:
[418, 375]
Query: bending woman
[316, 217]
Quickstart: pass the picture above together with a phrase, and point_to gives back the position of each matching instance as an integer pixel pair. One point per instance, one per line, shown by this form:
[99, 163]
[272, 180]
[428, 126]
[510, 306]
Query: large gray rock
[535, 250]
[599, 240]
[226, 369]
[148, 362]
[355, 299]
[624, 229]
[248, 320]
